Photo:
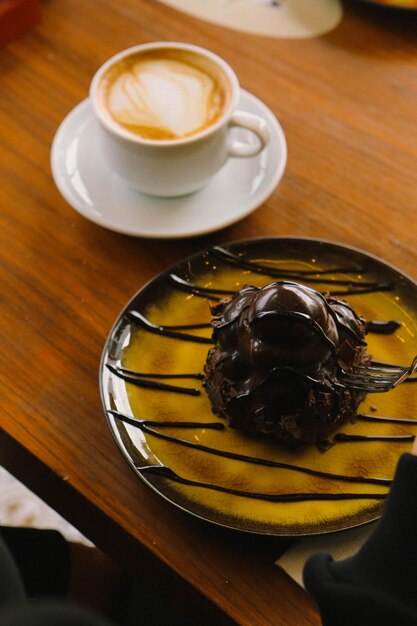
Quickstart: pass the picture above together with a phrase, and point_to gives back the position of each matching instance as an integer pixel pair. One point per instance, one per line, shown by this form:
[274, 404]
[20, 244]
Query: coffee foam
[164, 94]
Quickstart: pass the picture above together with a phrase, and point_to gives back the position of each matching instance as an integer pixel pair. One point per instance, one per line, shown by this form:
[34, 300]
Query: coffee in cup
[164, 113]
[163, 94]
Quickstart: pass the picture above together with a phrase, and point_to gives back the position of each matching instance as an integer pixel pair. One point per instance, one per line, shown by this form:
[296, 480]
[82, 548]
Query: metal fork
[376, 377]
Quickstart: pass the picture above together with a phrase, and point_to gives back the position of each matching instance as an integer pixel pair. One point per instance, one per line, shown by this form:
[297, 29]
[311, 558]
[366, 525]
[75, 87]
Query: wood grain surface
[348, 104]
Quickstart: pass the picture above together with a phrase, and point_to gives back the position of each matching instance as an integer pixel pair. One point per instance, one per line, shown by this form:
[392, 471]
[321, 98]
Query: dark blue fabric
[42, 558]
[378, 585]
[11, 585]
[15, 608]
[49, 613]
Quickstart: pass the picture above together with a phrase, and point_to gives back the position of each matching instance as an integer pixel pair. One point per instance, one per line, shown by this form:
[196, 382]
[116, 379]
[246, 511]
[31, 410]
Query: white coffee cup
[176, 149]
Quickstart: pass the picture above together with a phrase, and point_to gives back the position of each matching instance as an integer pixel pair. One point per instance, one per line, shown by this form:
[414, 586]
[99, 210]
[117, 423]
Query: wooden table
[348, 104]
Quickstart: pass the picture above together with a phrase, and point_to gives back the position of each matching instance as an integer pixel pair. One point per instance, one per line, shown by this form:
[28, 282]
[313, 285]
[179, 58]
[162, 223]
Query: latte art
[158, 96]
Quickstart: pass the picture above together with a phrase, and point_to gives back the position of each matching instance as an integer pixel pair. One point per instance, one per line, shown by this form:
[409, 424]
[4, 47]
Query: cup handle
[253, 123]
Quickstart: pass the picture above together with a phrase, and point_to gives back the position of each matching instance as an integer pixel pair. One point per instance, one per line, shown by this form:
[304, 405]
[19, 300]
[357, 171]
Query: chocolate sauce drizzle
[306, 276]
[166, 472]
[382, 328]
[211, 292]
[344, 438]
[125, 370]
[149, 380]
[235, 259]
[202, 292]
[168, 331]
[148, 426]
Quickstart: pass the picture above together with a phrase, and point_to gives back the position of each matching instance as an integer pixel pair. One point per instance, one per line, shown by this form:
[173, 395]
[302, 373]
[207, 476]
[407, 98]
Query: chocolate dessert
[277, 357]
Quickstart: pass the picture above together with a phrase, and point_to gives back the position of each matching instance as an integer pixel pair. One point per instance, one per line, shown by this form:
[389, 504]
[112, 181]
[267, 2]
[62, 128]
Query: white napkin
[21, 507]
[341, 545]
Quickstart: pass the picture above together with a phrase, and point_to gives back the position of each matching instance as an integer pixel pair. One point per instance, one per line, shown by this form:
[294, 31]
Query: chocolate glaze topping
[274, 367]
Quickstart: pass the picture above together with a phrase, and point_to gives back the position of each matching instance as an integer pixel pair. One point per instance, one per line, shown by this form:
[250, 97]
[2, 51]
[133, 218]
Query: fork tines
[377, 377]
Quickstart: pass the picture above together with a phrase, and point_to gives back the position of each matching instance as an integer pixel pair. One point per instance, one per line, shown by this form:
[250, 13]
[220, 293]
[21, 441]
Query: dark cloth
[11, 585]
[378, 585]
[42, 558]
[49, 613]
[39, 562]
[35, 569]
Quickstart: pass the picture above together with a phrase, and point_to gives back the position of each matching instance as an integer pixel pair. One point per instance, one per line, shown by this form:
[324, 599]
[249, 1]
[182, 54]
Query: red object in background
[16, 17]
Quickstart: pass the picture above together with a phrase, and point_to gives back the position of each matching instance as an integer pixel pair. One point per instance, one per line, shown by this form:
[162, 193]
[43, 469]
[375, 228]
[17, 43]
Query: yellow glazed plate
[161, 419]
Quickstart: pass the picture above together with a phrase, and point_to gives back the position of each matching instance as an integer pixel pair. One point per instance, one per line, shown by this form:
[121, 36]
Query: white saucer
[102, 197]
